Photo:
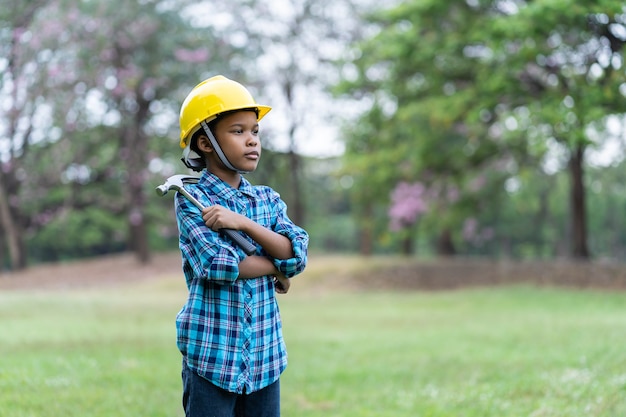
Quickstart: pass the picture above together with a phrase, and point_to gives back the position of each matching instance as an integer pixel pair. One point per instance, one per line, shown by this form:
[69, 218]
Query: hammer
[177, 183]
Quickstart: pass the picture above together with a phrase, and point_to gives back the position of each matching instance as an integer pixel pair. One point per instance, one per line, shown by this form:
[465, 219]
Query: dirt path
[99, 272]
[334, 272]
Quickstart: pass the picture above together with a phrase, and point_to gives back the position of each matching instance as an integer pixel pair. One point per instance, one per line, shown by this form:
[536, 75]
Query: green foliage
[99, 105]
[468, 89]
[607, 202]
[334, 232]
[455, 94]
[78, 234]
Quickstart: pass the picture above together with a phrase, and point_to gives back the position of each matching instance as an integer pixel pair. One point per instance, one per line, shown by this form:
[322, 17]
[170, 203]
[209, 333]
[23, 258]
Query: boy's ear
[204, 144]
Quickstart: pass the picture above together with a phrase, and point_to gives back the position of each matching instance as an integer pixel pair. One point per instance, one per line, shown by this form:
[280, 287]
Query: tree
[504, 76]
[408, 203]
[370, 160]
[570, 70]
[420, 128]
[95, 85]
[130, 60]
[23, 113]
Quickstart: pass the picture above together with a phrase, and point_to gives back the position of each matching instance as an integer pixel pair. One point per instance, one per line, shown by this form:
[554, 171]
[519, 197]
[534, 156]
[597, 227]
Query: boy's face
[238, 136]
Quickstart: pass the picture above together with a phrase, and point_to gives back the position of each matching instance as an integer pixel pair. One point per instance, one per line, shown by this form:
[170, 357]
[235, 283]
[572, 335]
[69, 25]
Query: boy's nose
[253, 139]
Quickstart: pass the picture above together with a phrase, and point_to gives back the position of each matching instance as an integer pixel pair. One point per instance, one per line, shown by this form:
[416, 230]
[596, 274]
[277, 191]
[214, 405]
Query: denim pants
[201, 398]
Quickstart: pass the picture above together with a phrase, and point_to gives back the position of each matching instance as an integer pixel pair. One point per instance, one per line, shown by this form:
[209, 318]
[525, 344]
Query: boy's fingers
[280, 287]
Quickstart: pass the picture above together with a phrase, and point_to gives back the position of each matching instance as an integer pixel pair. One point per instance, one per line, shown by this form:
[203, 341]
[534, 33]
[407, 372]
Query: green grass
[491, 352]
[505, 351]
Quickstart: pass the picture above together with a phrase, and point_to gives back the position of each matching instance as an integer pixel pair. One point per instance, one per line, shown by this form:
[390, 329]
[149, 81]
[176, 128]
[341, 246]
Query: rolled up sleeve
[299, 242]
[209, 255]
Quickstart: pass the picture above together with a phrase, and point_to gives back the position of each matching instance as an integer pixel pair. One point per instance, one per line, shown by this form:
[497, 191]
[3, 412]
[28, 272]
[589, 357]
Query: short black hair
[193, 142]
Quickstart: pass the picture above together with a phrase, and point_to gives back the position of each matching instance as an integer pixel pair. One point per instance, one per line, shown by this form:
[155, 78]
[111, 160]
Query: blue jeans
[201, 398]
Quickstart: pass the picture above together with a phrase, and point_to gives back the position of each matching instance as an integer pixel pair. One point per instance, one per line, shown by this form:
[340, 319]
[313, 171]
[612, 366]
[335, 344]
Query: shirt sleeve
[209, 255]
[299, 239]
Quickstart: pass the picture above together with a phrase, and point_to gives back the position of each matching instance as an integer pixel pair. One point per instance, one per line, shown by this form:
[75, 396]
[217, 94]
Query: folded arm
[276, 245]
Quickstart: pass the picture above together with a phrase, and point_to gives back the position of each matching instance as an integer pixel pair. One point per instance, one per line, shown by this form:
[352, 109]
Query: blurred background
[490, 129]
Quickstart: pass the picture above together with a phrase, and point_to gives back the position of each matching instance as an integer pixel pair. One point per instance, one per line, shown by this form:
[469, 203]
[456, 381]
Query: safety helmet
[211, 97]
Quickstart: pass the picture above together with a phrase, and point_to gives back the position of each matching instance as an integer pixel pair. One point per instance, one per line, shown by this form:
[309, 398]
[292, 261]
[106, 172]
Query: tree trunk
[134, 152]
[445, 245]
[139, 240]
[10, 224]
[407, 244]
[10, 227]
[540, 221]
[296, 209]
[366, 232]
[137, 229]
[578, 203]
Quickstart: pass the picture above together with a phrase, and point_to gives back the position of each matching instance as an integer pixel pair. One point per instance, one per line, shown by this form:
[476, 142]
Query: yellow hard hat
[211, 97]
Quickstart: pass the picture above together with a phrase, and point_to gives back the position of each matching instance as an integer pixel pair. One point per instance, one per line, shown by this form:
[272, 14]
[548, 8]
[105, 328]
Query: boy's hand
[281, 283]
[219, 217]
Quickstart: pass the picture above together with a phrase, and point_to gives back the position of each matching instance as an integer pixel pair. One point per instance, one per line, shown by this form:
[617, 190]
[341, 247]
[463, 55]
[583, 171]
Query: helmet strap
[192, 160]
[218, 150]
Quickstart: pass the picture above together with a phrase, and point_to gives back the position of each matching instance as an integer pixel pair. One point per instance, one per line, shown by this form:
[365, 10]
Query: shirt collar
[221, 188]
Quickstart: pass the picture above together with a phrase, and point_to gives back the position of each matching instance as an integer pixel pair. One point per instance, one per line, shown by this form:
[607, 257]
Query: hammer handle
[241, 241]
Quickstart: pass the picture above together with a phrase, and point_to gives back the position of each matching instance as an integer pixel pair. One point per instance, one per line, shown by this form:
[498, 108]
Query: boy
[229, 331]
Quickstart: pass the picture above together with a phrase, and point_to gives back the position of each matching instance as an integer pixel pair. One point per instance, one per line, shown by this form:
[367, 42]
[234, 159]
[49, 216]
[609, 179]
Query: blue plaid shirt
[230, 331]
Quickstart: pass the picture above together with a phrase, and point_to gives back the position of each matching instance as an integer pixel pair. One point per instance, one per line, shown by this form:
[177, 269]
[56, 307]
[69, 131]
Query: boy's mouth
[252, 155]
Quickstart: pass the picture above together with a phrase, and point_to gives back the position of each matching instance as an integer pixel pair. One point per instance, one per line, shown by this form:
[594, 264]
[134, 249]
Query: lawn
[500, 351]
[515, 351]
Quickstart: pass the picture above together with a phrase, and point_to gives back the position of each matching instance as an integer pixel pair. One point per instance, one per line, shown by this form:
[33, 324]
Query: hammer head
[175, 182]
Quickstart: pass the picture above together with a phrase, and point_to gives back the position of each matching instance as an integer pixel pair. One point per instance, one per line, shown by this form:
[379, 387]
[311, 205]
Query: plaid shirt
[230, 331]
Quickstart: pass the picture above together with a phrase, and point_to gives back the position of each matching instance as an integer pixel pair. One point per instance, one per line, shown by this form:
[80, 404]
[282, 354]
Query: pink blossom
[192, 56]
[408, 202]
[453, 194]
[470, 228]
[473, 233]
[477, 183]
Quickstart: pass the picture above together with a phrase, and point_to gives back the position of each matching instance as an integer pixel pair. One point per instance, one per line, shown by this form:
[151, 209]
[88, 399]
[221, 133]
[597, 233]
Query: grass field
[501, 351]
